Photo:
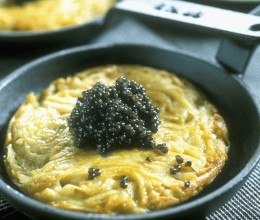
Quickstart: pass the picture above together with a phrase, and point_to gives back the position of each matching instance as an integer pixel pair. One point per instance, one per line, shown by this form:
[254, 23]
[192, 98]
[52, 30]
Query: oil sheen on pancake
[43, 161]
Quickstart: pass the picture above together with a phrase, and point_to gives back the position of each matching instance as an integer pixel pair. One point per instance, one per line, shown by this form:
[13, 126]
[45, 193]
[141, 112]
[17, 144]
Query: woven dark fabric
[245, 203]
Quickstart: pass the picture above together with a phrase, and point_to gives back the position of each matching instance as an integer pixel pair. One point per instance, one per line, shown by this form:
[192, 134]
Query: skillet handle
[237, 25]
[235, 55]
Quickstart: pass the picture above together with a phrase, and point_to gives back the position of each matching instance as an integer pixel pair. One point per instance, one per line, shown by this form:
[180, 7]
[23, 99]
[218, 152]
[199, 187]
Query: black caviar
[162, 148]
[175, 169]
[124, 181]
[179, 159]
[186, 183]
[188, 163]
[109, 117]
[93, 173]
[149, 159]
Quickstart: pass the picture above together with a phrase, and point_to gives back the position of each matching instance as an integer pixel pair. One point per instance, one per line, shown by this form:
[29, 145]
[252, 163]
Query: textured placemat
[245, 204]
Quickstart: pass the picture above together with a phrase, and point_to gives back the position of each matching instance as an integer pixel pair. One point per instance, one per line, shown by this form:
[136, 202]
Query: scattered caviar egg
[93, 173]
[179, 159]
[186, 183]
[188, 163]
[175, 169]
[149, 159]
[162, 148]
[124, 181]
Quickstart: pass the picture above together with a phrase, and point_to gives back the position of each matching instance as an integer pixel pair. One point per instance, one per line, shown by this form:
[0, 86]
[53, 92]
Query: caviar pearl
[93, 173]
[175, 169]
[124, 181]
[186, 183]
[179, 159]
[162, 148]
[188, 163]
[149, 159]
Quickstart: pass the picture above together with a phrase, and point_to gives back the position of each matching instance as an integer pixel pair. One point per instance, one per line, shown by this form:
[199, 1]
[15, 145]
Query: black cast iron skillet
[236, 103]
[226, 91]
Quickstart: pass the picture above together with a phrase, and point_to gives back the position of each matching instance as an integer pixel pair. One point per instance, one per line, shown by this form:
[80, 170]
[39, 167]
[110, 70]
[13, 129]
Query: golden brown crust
[42, 160]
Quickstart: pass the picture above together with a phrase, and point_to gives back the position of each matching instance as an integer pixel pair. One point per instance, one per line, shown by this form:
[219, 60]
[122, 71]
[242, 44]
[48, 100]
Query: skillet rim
[13, 194]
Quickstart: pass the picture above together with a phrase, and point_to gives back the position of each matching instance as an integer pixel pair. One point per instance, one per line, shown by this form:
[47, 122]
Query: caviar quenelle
[116, 116]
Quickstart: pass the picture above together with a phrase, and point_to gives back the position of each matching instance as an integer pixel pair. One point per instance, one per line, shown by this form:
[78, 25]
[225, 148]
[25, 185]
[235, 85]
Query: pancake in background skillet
[40, 15]
[43, 161]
